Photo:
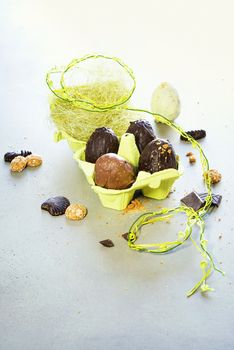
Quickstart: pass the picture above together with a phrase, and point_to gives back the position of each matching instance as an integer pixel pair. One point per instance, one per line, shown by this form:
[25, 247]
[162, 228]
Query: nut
[76, 212]
[33, 160]
[192, 159]
[214, 176]
[18, 164]
[189, 154]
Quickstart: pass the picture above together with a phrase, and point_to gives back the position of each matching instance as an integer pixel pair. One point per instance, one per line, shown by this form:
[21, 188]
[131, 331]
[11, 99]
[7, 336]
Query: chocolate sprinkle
[9, 156]
[193, 200]
[216, 199]
[56, 205]
[196, 134]
[107, 243]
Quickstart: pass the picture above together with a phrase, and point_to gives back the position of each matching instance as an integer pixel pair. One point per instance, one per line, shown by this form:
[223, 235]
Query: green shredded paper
[95, 91]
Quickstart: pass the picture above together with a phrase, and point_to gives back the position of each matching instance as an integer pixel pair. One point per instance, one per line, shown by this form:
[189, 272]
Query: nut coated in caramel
[75, 212]
[33, 160]
[18, 164]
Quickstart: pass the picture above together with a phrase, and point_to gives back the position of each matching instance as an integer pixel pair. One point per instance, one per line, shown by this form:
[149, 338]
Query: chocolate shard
[193, 200]
[216, 199]
[143, 132]
[125, 236]
[107, 243]
[196, 134]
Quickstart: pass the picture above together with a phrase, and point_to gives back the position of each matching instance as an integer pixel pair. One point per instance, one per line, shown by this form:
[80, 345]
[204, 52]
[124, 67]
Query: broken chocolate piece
[193, 200]
[107, 243]
[125, 236]
[143, 132]
[216, 199]
[196, 134]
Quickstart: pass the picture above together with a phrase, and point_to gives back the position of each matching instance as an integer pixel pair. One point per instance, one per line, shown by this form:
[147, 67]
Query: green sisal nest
[100, 83]
[80, 123]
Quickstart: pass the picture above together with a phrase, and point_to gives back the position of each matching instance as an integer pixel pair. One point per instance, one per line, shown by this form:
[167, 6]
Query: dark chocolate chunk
[193, 200]
[9, 156]
[107, 243]
[143, 132]
[216, 199]
[125, 236]
[103, 140]
[113, 172]
[56, 205]
[157, 155]
[196, 134]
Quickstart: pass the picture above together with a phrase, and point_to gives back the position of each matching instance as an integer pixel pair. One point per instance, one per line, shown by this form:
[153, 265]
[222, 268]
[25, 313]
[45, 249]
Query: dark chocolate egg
[157, 155]
[103, 140]
[113, 172]
[143, 132]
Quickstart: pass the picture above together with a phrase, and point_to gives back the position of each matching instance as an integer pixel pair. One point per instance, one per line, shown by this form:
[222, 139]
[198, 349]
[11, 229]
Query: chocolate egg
[143, 132]
[158, 155]
[113, 172]
[103, 140]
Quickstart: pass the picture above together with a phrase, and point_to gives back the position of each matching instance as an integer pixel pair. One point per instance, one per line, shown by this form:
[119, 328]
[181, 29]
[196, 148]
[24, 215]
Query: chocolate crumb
[107, 243]
[189, 154]
[125, 236]
[135, 205]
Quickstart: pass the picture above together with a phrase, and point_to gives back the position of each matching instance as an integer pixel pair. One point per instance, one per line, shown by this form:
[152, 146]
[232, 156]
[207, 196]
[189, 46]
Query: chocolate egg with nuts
[113, 172]
[103, 140]
[143, 132]
[158, 155]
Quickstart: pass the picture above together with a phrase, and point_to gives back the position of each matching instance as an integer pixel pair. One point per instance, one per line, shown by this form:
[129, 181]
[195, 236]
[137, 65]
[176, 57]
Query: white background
[59, 288]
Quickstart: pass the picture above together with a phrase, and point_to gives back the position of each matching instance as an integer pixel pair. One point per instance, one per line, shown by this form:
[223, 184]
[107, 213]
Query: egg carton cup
[156, 186]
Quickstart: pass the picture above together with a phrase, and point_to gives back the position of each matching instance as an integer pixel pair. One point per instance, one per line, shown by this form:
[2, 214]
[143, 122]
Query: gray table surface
[59, 288]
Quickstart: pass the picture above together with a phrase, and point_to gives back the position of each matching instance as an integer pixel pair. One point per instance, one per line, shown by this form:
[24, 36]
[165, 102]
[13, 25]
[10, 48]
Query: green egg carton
[155, 185]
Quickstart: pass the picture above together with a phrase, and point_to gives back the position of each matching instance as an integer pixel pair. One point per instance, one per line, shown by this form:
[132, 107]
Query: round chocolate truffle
[158, 155]
[143, 132]
[103, 140]
[113, 172]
